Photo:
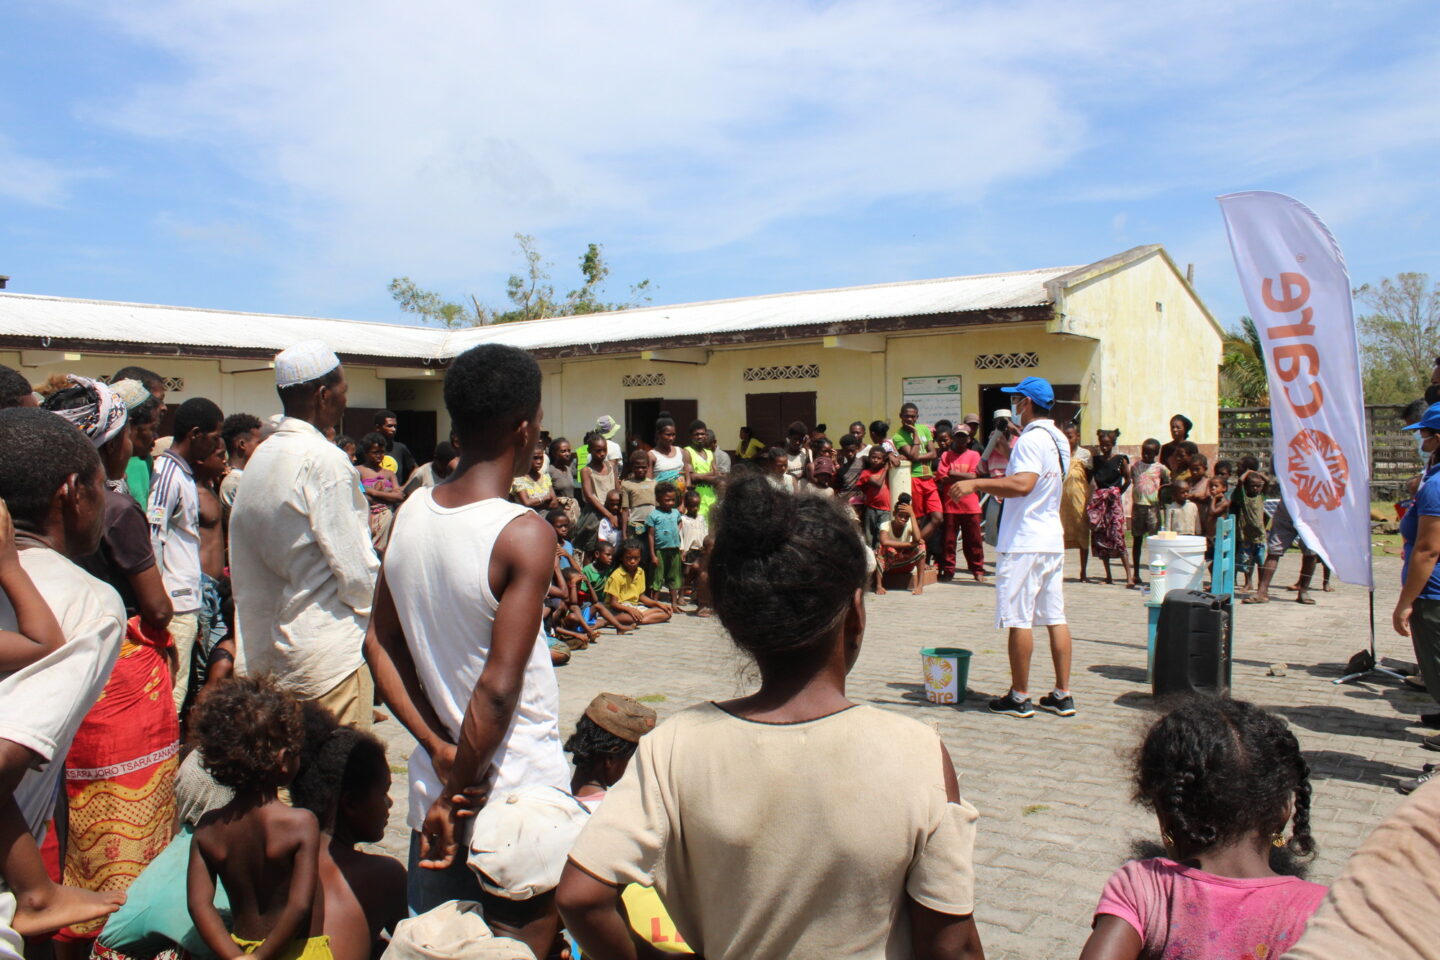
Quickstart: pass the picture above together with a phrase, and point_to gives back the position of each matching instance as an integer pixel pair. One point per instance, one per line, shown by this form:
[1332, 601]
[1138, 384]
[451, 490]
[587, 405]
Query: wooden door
[769, 414]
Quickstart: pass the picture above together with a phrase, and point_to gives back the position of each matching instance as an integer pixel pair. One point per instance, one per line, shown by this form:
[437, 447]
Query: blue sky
[292, 158]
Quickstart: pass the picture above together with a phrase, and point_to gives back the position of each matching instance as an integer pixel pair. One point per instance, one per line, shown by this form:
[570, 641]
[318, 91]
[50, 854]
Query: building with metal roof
[1125, 340]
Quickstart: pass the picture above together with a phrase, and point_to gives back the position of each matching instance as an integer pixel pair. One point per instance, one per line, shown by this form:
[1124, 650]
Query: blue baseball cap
[1430, 421]
[1038, 390]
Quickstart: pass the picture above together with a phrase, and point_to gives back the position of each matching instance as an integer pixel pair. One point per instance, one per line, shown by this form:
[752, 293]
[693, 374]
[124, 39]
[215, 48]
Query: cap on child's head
[625, 717]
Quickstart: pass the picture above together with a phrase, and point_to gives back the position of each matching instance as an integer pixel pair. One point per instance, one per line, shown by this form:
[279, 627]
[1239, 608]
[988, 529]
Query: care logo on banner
[1298, 290]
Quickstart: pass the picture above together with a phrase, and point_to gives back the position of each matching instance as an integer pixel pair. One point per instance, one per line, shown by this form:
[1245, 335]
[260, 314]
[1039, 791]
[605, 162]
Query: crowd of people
[195, 633]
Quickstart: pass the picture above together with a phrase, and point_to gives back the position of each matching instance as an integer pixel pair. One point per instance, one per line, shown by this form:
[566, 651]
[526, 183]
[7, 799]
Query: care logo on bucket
[946, 670]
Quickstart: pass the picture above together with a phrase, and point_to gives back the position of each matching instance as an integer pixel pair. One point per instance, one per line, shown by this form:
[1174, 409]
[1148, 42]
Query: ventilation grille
[643, 380]
[1006, 361]
[794, 371]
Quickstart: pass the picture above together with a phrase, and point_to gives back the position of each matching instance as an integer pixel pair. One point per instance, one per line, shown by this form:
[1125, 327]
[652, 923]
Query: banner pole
[1361, 668]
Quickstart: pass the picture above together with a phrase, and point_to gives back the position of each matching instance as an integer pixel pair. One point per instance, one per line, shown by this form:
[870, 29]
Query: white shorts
[1028, 590]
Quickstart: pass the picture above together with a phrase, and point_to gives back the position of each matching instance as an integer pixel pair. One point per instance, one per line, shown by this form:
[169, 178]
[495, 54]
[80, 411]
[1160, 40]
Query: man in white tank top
[455, 643]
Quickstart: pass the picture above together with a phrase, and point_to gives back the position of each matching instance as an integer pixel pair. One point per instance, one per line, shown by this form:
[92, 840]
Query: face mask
[1420, 443]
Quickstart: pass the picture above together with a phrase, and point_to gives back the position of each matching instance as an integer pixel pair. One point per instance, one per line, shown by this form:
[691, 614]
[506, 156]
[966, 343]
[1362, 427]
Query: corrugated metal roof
[991, 291]
[104, 321]
[107, 321]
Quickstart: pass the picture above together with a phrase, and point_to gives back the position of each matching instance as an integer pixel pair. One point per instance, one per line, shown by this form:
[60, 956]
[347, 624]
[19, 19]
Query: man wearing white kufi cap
[301, 561]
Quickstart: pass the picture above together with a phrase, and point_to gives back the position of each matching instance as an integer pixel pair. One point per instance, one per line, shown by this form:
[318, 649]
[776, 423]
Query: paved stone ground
[1053, 792]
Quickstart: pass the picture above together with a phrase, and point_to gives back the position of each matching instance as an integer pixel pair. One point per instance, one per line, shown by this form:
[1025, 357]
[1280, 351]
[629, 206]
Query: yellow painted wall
[852, 385]
[1152, 363]
[249, 392]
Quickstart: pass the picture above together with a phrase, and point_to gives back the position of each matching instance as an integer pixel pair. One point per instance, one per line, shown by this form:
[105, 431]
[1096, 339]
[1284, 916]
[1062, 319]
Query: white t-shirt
[1031, 524]
[175, 530]
[42, 705]
[613, 451]
[438, 570]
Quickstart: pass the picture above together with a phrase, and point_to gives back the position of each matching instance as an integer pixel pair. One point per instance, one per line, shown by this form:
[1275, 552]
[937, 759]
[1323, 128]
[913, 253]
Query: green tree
[1243, 382]
[531, 293]
[1399, 337]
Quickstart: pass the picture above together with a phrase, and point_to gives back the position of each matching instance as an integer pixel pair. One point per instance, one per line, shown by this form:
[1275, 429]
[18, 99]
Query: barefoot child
[962, 513]
[264, 852]
[662, 531]
[1251, 522]
[693, 532]
[901, 547]
[1147, 478]
[41, 905]
[874, 487]
[625, 590]
[346, 785]
[1224, 778]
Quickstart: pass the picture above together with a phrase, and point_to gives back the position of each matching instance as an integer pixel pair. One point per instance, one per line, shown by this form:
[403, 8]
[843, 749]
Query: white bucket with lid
[1184, 560]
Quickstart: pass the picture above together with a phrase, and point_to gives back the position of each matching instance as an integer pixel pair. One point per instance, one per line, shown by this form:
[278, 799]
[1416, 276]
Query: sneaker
[1415, 783]
[1014, 706]
[1060, 706]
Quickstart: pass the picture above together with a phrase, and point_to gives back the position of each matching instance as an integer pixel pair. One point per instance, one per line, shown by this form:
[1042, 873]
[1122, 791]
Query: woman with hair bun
[839, 848]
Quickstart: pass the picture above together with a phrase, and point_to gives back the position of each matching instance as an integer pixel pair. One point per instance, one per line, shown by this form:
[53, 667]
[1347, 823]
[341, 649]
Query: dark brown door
[769, 414]
[417, 430]
[684, 413]
[358, 422]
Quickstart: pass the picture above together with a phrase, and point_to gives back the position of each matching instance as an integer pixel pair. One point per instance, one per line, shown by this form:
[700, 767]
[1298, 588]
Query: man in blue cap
[1031, 545]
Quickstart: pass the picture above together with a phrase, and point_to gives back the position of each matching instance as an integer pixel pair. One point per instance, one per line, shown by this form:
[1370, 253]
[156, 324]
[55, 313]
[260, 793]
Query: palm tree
[1243, 382]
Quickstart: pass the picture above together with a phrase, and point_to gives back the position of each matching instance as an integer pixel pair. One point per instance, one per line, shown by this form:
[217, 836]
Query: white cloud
[32, 180]
[417, 138]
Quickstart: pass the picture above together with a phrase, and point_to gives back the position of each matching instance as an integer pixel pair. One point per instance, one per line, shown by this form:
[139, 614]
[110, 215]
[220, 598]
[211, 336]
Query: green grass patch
[653, 698]
[1033, 808]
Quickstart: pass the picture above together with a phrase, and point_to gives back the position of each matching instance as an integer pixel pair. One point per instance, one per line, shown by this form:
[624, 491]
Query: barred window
[1006, 361]
[793, 371]
[643, 380]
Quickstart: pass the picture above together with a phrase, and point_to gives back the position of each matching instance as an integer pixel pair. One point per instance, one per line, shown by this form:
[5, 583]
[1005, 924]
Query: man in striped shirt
[174, 514]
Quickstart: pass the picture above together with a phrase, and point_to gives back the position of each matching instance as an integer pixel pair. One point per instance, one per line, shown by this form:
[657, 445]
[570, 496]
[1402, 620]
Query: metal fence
[1393, 460]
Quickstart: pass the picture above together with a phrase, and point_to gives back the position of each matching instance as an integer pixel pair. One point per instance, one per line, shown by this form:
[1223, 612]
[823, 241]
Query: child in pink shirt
[1224, 778]
[962, 514]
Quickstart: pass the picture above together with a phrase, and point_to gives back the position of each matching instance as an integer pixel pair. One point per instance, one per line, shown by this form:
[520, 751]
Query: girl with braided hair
[1224, 778]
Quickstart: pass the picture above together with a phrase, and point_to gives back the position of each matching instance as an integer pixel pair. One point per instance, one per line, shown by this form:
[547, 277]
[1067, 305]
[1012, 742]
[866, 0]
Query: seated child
[625, 589]
[1224, 778]
[591, 589]
[1181, 514]
[41, 905]
[564, 617]
[345, 782]
[901, 547]
[662, 530]
[604, 740]
[264, 852]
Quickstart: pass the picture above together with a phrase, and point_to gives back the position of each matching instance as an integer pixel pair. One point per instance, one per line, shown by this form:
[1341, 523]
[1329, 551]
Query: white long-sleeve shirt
[301, 562]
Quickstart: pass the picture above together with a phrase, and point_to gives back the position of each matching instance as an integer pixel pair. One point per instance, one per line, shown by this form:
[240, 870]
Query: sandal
[1256, 600]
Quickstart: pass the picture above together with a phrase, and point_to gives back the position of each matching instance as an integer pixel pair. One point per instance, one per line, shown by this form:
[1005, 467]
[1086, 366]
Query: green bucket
[946, 671]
